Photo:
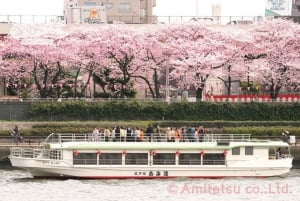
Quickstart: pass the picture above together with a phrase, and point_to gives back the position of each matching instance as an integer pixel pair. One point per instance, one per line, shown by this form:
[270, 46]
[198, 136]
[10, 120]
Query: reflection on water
[19, 185]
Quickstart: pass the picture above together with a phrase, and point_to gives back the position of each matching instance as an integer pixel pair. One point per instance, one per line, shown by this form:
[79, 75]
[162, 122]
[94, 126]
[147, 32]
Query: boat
[155, 157]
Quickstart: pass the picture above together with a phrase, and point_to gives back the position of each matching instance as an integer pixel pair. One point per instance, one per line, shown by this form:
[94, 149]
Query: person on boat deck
[177, 135]
[123, 133]
[117, 134]
[278, 153]
[129, 135]
[95, 134]
[137, 134]
[113, 134]
[106, 134]
[142, 135]
[183, 134]
[200, 133]
[191, 132]
[149, 132]
[170, 134]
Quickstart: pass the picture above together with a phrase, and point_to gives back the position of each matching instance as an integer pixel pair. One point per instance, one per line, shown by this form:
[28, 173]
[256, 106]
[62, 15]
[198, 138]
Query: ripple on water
[19, 185]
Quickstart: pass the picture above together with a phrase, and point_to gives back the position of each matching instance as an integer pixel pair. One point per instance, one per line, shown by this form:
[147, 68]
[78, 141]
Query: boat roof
[157, 141]
[162, 145]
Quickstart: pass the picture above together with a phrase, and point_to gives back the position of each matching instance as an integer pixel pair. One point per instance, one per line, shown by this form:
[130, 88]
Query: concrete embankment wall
[14, 110]
[21, 124]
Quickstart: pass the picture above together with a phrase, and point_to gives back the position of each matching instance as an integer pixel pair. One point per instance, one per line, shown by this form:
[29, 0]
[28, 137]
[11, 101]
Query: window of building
[125, 7]
[214, 159]
[236, 151]
[248, 150]
[164, 159]
[108, 5]
[110, 159]
[90, 3]
[189, 159]
[85, 159]
[136, 159]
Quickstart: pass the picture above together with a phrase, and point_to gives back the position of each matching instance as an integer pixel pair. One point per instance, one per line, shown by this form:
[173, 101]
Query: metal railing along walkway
[138, 19]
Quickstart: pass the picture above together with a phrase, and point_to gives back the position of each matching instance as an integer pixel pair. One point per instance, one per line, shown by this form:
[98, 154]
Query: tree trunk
[274, 91]
[156, 85]
[199, 94]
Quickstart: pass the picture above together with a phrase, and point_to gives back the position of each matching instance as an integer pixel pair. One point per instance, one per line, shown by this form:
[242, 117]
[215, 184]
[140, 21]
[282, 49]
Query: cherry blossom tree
[201, 51]
[120, 58]
[34, 56]
[153, 59]
[277, 46]
[84, 58]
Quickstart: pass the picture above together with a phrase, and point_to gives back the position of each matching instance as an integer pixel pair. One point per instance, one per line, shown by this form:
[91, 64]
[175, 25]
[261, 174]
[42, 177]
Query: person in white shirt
[96, 135]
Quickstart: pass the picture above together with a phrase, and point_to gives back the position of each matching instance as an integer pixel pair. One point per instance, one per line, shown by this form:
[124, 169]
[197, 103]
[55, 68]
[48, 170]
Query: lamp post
[181, 84]
[84, 86]
[200, 87]
[196, 8]
[167, 85]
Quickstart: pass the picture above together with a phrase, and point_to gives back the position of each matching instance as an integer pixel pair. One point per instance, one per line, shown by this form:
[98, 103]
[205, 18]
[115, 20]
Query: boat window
[85, 159]
[214, 159]
[164, 159]
[236, 151]
[55, 154]
[248, 150]
[136, 159]
[189, 159]
[110, 159]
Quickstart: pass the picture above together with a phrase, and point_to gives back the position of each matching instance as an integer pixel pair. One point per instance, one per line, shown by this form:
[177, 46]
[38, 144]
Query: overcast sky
[163, 8]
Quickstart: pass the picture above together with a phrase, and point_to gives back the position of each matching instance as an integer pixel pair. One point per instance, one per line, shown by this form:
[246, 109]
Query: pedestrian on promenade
[16, 135]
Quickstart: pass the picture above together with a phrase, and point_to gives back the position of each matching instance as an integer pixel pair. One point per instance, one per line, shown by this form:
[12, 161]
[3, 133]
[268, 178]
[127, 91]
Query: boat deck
[153, 137]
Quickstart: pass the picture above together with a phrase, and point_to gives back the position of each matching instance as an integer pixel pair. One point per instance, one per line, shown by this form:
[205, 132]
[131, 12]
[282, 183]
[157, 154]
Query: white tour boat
[213, 156]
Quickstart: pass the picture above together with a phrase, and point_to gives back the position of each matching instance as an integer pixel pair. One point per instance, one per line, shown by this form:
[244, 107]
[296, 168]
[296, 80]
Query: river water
[18, 185]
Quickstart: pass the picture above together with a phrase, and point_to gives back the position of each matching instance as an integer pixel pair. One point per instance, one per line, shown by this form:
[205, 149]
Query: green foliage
[81, 127]
[134, 110]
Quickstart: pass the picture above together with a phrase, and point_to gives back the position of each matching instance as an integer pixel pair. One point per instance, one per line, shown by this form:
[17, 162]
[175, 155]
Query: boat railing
[25, 152]
[147, 137]
[282, 156]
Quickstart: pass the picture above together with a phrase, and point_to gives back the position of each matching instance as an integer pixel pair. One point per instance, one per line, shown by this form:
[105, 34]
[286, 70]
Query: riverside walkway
[6, 142]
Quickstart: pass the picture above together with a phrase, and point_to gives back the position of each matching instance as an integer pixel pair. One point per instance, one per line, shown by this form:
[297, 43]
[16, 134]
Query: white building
[126, 11]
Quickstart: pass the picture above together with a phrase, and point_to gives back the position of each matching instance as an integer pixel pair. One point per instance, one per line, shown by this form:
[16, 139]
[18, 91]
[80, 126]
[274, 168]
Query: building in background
[279, 7]
[116, 11]
[216, 11]
[296, 8]
[85, 15]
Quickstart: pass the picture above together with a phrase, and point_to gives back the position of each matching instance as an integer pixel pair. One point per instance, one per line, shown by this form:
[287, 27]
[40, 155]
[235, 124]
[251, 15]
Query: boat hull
[47, 169]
